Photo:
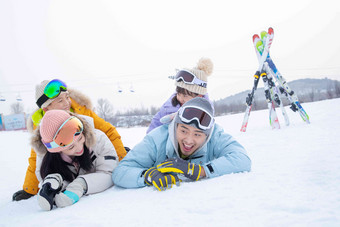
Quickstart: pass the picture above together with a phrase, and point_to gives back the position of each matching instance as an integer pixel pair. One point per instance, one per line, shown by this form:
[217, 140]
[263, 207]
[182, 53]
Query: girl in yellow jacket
[51, 95]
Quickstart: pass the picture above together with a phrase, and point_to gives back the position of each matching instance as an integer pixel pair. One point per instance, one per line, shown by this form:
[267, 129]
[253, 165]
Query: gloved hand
[22, 194]
[161, 181]
[51, 186]
[127, 149]
[178, 165]
[72, 194]
[167, 118]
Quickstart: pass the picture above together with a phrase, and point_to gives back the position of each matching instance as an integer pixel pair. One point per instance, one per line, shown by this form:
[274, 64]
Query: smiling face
[62, 102]
[77, 148]
[189, 138]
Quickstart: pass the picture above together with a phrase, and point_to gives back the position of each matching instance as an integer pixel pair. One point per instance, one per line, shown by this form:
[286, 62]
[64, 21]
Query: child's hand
[167, 118]
[51, 186]
[72, 194]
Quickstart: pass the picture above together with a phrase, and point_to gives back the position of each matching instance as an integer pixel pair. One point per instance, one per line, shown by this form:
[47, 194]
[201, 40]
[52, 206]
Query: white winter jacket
[103, 156]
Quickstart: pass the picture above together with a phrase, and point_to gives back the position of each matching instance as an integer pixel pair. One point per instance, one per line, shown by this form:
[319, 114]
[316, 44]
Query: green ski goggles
[51, 91]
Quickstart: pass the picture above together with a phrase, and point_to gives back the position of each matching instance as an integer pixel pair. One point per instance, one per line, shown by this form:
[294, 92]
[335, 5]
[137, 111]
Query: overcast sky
[97, 46]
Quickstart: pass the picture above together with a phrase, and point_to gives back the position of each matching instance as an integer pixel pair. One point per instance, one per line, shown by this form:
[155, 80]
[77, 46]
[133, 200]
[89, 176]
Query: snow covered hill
[295, 181]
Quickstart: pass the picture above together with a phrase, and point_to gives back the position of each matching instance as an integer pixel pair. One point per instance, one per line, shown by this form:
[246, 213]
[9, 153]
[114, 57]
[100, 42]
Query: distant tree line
[259, 103]
[142, 116]
[132, 117]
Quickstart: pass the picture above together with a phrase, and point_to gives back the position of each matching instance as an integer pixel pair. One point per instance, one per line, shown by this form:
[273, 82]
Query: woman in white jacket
[73, 159]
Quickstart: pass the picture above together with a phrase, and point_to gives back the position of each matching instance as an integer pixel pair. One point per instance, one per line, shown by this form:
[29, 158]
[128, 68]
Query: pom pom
[206, 65]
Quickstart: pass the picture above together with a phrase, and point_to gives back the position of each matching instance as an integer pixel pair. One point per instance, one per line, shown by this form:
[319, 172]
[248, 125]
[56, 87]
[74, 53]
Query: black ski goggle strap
[42, 100]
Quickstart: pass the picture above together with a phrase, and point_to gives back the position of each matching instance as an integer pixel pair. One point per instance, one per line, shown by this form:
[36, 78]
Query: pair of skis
[267, 70]
[295, 105]
[262, 53]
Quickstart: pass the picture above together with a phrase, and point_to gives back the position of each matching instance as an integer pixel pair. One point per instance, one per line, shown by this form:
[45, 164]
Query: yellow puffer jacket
[80, 104]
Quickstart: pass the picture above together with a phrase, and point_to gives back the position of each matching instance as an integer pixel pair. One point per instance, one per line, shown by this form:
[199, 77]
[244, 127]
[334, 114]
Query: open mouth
[187, 147]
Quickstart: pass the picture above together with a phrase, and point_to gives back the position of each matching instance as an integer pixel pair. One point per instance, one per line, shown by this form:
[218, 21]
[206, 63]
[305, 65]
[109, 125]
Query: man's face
[62, 102]
[77, 147]
[189, 138]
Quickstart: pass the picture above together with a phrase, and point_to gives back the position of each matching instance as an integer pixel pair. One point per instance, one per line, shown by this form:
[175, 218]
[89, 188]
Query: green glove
[20, 195]
[161, 181]
[178, 165]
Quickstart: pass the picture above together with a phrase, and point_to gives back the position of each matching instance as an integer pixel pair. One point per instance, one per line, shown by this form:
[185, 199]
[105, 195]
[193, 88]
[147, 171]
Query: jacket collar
[38, 114]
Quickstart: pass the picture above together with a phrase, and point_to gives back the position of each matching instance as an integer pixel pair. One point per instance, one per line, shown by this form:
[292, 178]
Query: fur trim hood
[88, 132]
[78, 97]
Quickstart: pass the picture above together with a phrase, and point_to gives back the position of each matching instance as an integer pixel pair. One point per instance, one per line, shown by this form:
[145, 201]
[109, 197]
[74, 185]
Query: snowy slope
[295, 181]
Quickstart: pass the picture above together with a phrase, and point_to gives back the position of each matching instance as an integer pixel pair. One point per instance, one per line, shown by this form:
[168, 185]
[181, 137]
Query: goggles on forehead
[203, 119]
[189, 78]
[66, 133]
[51, 91]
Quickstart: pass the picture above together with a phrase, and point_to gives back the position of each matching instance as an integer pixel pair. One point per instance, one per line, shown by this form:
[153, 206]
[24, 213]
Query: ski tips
[256, 39]
[255, 36]
[270, 30]
[263, 35]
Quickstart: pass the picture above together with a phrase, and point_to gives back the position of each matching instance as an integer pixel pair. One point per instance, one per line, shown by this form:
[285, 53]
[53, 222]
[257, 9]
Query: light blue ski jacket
[221, 154]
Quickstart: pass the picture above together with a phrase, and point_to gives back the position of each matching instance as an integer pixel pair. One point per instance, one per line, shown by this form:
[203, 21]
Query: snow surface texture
[295, 181]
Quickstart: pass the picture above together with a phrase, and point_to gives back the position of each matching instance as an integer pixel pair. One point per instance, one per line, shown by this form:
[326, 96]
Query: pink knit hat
[50, 124]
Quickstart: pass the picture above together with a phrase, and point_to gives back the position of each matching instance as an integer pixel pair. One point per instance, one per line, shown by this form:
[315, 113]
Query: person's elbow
[245, 164]
[117, 177]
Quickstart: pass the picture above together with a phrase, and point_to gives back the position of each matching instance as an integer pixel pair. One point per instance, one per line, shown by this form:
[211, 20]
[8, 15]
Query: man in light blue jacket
[192, 145]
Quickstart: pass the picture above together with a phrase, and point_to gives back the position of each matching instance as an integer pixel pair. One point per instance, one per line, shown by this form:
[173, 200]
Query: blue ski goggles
[189, 114]
[189, 78]
[51, 91]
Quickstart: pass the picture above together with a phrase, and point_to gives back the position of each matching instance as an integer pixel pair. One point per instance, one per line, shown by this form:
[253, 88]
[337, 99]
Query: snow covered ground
[295, 181]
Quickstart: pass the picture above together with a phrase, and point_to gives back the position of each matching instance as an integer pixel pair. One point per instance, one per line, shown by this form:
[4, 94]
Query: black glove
[161, 181]
[127, 149]
[178, 165]
[52, 184]
[20, 195]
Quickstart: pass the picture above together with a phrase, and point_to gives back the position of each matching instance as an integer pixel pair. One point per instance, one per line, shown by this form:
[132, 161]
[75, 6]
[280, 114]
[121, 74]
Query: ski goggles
[51, 91]
[189, 78]
[203, 119]
[66, 133]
